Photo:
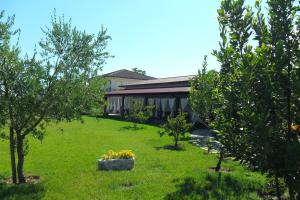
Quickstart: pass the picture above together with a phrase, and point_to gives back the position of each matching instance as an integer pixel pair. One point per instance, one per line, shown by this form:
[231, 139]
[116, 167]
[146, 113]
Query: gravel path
[201, 137]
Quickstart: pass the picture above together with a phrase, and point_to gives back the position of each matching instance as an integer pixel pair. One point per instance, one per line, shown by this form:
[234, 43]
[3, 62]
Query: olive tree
[57, 84]
[9, 56]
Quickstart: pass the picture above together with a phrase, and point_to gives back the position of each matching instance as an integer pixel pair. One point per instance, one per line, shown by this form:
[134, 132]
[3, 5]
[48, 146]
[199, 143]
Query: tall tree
[257, 98]
[284, 40]
[59, 87]
[202, 93]
[235, 22]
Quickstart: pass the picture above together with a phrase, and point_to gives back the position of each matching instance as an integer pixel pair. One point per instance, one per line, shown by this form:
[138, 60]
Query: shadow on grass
[152, 122]
[132, 128]
[22, 191]
[186, 138]
[215, 186]
[171, 147]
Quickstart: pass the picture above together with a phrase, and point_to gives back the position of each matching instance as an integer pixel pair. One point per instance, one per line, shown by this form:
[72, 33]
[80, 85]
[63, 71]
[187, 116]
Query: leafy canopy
[138, 113]
[203, 87]
[59, 83]
[176, 127]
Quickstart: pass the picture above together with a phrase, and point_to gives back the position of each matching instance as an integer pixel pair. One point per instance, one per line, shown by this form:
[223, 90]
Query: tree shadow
[22, 191]
[215, 186]
[132, 128]
[171, 148]
[185, 138]
[152, 122]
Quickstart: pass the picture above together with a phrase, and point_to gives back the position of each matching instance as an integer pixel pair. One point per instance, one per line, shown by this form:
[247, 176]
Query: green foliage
[95, 107]
[202, 91]
[138, 113]
[60, 85]
[273, 187]
[9, 56]
[235, 22]
[176, 127]
[9, 77]
[258, 92]
[139, 71]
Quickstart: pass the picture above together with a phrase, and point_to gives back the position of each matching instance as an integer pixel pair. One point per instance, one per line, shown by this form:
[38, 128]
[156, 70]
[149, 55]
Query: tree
[258, 98]
[202, 93]
[204, 101]
[139, 71]
[138, 113]
[235, 22]
[58, 87]
[176, 127]
[9, 56]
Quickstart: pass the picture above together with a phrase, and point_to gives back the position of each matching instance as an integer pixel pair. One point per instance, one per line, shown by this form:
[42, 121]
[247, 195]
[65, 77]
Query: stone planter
[116, 164]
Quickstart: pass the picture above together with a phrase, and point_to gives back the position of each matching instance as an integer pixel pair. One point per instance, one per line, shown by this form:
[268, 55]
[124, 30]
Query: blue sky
[163, 37]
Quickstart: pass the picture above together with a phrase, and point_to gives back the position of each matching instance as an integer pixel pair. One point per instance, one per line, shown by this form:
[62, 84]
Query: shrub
[274, 188]
[139, 113]
[176, 127]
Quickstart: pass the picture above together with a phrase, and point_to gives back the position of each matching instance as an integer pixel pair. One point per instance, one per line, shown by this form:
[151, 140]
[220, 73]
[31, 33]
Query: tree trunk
[20, 152]
[12, 156]
[176, 142]
[11, 135]
[221, 157]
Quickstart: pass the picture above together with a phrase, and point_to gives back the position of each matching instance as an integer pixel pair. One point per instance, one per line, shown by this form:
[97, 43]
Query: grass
[67, 164]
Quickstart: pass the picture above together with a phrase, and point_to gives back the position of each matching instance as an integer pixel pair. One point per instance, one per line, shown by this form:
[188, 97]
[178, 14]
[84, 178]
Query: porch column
[105, 106]
[146, 101]
[122, 106]
[177, 106]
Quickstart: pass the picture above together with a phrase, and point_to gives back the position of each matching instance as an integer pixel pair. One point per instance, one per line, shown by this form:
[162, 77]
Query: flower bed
[123, 160]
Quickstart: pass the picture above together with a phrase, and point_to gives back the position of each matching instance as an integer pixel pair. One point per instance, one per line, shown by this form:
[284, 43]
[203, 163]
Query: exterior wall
[114, 83]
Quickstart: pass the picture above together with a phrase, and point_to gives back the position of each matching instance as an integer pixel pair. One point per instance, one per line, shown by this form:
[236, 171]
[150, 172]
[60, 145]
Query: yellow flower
[124, 154]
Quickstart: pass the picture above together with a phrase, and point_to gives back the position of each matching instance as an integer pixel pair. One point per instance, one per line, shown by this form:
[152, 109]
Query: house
[123, 77]
[167, 95]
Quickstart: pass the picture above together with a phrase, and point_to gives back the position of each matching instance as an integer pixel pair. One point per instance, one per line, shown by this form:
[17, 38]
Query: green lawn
[67, 162]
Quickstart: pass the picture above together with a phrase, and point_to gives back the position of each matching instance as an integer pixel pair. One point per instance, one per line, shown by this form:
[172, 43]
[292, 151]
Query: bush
[176, 127]
[272, 189]
[139, 113]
